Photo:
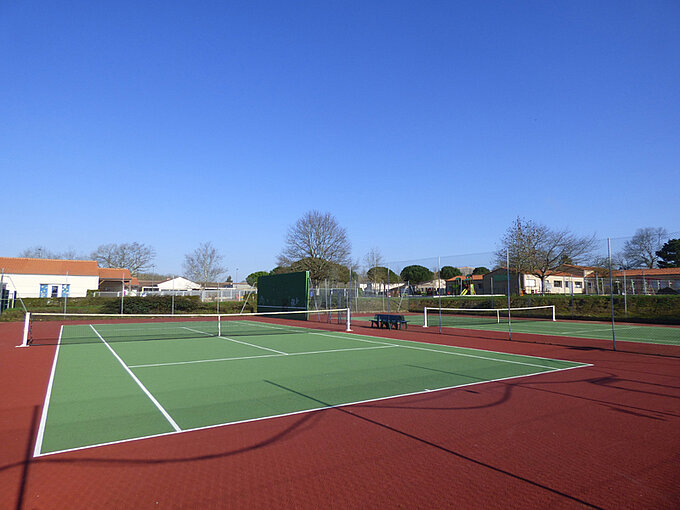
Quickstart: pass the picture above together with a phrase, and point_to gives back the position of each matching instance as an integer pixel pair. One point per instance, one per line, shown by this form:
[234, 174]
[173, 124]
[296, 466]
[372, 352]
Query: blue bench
[388, 320]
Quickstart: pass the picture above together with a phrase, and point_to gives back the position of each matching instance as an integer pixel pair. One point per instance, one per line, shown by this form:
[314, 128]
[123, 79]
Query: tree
[538, 250]
[416, 274]
[251, 279]
[641, 249]
[41, 252]
[204, 264]
[280, 270]
[381, 274]
[669, 254]
[133, 256]
[314, 242]
[447, 272]
[373, 259]
[481, 270]
[517, 245]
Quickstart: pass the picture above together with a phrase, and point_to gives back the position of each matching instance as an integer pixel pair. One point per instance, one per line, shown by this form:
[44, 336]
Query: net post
[219, 325]
[425, 316]
[348, 320]
[553, 312]
[27, 326]
[498, 316]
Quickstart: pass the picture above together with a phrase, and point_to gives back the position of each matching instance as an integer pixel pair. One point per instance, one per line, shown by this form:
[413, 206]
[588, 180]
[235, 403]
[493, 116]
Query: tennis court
[116, 382]
[543, 325]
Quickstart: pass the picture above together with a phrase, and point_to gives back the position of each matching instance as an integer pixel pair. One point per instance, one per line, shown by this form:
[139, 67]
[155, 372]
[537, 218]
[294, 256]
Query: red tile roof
[114, 273]
[21, 265]
[656, 272]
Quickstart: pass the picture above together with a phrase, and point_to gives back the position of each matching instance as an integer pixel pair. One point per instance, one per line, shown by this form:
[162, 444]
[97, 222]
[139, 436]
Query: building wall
[30, 285]
[555, 284]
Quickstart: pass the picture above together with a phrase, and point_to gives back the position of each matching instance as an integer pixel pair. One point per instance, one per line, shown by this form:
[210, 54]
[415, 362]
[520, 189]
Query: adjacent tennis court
[522, 321]
[125, 381]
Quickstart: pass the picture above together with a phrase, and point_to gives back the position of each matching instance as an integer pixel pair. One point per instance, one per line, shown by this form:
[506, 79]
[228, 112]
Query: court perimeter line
[294, 413]
[139, 383]
[48, 395]
[454, 353]
[256, 357]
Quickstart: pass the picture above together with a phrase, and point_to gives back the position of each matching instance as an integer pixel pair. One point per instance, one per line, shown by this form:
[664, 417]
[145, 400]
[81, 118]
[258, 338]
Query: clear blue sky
[424, 127]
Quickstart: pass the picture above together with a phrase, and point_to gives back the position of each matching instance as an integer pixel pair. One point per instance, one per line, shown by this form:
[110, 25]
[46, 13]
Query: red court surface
[606, 436]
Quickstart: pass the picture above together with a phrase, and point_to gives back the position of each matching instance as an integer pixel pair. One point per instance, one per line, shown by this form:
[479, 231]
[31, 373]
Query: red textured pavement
[606, 436]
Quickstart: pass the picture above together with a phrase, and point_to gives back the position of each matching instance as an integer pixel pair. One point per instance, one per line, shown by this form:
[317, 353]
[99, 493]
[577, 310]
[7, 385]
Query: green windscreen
[284, 292]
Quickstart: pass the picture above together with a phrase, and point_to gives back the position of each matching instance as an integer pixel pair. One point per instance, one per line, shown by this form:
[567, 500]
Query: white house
[178, 283]
[49, 277]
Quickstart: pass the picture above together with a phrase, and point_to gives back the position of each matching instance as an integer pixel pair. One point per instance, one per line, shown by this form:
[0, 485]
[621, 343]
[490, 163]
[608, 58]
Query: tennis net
[462, 317]
[46, 328]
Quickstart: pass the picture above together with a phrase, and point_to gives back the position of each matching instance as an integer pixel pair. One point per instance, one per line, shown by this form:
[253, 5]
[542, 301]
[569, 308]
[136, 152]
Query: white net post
[27, 329]
[425, 317]
[553, 312]
[348, 320]
[498, 316]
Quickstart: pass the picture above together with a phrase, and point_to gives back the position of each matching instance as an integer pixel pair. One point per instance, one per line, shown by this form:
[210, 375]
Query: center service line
[139, 383]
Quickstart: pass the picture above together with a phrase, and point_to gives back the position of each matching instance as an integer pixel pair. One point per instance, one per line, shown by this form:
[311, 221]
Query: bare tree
[538, 250]
[133, 256]
[314, 243]
[518, 243]
[38, 252]
[204, 264]
[41, 252]
[373, 258]
[641, 249]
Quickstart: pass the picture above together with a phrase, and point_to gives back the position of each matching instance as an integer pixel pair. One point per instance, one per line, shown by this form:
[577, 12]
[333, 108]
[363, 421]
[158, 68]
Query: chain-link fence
[604, 298]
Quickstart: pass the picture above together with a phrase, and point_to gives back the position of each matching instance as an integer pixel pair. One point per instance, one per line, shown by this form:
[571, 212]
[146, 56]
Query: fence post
[611, 290]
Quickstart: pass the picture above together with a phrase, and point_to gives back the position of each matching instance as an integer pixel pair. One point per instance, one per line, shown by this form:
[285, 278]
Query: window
[578, 284]
[55, 290]
[557, 283]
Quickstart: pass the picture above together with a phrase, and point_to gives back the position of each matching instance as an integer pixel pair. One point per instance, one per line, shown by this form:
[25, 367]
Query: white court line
[257, 357]
[196, 331]
[43, 418]
[253, 345]
[456, 353]
[604, 328]
[294, 413]
[238, 342]
[139, 383]
[356, 337]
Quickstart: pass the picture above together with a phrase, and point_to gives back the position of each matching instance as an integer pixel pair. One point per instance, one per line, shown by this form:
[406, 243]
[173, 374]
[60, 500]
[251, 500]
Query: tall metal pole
[2, 292]
[388, 288]
[64, 288]
[507, 268]
[611, 289]
[122, 293]
[625, 294]
[439, 289]
[349, 290]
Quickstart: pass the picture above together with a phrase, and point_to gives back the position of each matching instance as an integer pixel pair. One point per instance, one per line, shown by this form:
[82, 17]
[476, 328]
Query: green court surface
[116, 382]
[625, 332]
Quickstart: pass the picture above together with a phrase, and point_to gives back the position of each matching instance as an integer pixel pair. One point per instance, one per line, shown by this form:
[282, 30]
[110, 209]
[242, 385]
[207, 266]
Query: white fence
[205, 295]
